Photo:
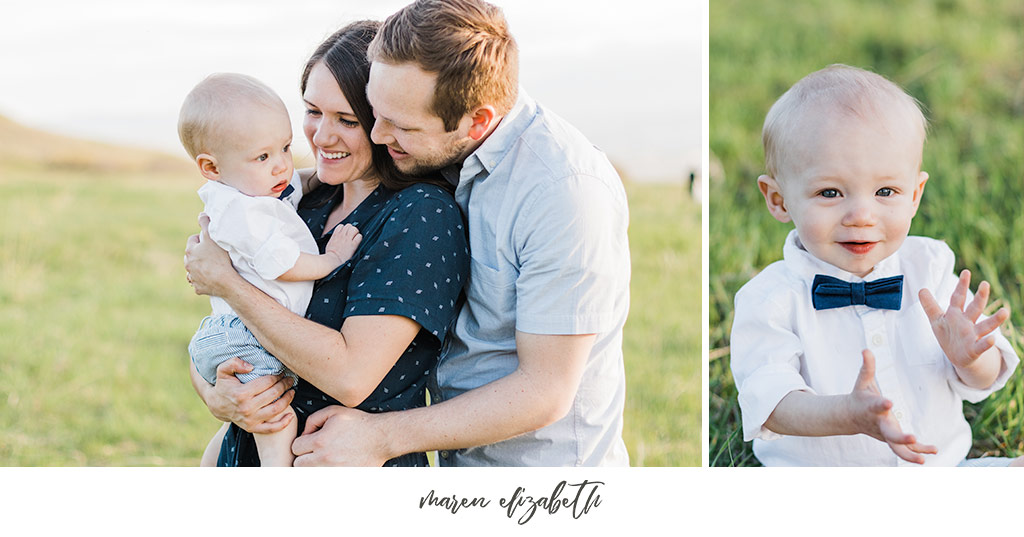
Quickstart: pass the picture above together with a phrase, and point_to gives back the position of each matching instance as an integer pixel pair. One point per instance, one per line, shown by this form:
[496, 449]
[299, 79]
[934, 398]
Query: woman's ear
[773, 197]
[208, 166]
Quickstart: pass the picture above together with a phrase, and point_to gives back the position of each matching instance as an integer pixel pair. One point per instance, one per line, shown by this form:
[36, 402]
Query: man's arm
[538, 393]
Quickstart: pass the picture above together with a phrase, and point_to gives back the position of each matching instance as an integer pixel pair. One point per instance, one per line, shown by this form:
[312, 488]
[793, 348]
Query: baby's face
[851, 187]
[256, 157]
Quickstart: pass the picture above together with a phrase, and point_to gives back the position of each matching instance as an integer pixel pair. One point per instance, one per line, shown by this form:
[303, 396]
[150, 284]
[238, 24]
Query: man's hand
[957, 330]
[247, 405]
[871, 416]
[340, 436]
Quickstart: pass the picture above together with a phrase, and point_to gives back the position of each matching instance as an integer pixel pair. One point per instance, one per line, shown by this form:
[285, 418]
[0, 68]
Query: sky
[627, 74]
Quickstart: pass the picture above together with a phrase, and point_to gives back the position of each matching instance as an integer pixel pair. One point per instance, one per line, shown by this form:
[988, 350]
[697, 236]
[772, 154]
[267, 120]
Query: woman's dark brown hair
[344, 54]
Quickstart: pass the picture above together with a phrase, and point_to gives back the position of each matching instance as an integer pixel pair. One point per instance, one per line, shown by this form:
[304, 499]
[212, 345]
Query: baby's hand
[958, 331]
[344, 242]
[871, 416]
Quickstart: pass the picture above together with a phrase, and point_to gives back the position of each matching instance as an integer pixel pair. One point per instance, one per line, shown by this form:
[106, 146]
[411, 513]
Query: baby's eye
[885, 192]
[287, 147]
[263, 157]
[829, 193]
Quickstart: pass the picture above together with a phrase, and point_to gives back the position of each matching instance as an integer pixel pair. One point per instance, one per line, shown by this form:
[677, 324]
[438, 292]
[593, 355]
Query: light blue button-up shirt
[547, 218]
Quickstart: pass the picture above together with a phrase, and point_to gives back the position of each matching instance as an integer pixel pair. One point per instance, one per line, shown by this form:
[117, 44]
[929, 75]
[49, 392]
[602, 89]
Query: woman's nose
[323, 137]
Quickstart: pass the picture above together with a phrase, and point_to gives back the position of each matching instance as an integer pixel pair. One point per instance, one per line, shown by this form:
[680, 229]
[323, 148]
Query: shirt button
[898, 414]
[877, 339]
[444, 454]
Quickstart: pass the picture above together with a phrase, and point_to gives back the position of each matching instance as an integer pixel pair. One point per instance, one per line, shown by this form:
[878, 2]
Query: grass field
[961, 59]
[95, 315]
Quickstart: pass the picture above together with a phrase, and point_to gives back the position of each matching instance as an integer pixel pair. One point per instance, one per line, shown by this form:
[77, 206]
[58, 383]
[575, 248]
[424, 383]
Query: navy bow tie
[286, 192]
[828, 292]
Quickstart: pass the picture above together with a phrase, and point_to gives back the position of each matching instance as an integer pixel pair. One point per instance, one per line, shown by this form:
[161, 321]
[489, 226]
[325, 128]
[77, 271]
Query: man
[534, 373]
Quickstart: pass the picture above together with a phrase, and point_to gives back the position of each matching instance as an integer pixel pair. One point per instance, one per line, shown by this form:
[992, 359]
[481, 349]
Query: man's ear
[483, 120]
[208, 166]
[773, 197]
[922, 178]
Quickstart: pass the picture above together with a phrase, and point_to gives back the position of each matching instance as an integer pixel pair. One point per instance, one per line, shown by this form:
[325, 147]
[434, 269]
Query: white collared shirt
[264, 236]
[780, 343]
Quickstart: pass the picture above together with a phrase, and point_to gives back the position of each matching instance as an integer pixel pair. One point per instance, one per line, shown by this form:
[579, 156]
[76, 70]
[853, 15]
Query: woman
[374, 327]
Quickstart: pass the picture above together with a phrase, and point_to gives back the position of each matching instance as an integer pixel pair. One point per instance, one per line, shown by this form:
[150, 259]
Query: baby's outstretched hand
[344, 242]
[872, 416]
[957, 330]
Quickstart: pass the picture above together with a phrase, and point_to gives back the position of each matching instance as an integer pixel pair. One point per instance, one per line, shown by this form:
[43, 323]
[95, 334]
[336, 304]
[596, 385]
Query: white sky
[625, 73]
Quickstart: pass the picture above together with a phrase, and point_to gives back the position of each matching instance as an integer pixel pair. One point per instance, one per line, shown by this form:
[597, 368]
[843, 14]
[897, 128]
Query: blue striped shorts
[223, 337]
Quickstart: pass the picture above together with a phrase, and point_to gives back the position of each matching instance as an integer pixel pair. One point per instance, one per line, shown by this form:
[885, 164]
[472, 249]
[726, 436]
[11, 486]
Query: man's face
[401, 95]
[851, 186]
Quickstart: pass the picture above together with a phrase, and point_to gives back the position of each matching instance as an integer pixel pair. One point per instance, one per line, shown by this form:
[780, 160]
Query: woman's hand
[248, 405]
[207, 266]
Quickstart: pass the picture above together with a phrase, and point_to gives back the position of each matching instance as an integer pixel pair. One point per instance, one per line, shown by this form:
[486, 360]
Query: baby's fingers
[982, 345]
[923, 448]
[892, 433]
[931, 307]
[866, 377]
[989, 325]
[977, 305]
[959, 295]
[906, 453]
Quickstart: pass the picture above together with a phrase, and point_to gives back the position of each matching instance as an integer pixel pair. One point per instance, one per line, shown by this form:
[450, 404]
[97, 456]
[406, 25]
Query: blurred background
[962, 60]
[95, 313]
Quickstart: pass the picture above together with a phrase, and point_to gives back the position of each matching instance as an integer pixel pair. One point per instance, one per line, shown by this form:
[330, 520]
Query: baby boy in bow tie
[841, 352]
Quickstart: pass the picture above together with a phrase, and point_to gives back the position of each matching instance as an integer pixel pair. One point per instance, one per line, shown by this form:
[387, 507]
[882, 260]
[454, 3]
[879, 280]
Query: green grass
[662, 335]
[961, 59]
[95, 317]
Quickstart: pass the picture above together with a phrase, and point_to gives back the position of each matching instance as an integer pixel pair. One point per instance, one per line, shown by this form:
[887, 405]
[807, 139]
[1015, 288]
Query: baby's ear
[773, 197]
[922, 178]
[208, 166]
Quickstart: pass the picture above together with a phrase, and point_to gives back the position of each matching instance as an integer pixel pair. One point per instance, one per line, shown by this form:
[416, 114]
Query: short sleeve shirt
[413, 261]
[263, 236]
[547, 219]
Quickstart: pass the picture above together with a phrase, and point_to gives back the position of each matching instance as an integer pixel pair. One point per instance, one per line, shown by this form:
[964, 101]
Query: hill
[22, 146]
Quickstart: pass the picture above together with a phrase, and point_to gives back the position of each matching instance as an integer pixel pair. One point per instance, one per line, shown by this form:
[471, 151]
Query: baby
[841, 352]
[237, 130]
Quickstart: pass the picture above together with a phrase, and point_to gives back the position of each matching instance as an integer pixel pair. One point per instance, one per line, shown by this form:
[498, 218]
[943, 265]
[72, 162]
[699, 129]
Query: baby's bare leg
[275, 449]
[213, 448]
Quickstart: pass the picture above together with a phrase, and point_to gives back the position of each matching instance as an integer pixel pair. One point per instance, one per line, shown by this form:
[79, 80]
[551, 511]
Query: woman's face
[339, 143]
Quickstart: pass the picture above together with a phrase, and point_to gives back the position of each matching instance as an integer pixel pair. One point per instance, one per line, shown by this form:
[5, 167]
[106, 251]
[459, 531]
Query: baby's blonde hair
[846, 89]
[211, 103]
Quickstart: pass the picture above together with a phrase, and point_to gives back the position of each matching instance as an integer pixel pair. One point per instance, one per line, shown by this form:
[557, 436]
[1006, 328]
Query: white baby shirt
[780, 343]
[264, 236]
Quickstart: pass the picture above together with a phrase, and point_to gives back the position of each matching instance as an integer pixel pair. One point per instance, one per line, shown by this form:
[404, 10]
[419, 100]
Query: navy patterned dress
[413, 262]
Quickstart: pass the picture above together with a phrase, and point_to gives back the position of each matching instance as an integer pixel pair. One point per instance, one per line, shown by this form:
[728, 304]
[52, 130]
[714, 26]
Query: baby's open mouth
[858, 247]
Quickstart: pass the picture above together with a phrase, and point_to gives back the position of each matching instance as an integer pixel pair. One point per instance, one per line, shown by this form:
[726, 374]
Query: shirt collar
[806, 265]
[501, 140]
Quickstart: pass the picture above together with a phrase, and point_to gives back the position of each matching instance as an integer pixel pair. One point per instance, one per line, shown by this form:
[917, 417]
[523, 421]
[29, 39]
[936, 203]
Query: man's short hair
[851, 90]
[209, 105]
[465, 42]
